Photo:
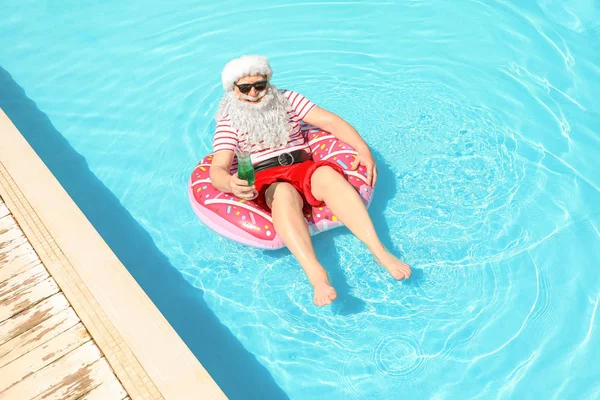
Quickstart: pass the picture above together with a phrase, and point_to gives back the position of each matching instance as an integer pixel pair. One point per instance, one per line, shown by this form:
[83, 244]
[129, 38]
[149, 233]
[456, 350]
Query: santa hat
[244, 66]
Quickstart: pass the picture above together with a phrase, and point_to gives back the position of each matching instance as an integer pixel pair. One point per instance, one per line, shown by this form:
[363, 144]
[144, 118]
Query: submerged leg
[288, 220]
[344, 201]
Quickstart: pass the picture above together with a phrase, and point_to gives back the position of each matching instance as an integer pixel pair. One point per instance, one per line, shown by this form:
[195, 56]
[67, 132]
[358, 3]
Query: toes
[322, 301]
[403, 274]
[324, 296]
[325, 300]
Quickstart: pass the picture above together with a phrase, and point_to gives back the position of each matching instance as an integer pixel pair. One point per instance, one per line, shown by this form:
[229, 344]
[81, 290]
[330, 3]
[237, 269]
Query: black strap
[284, 159]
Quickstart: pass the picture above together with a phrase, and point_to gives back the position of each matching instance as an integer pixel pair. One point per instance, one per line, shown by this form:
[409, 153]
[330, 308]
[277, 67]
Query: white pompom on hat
[244, 66]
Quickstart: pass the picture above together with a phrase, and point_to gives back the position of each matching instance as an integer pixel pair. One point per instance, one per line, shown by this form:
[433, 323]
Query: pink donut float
[245, 222]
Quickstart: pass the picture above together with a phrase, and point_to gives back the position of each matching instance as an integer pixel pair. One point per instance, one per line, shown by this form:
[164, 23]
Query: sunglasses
[246, 87]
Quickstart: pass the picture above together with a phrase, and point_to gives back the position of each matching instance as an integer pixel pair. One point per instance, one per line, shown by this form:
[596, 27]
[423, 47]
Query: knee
[284, 194]
[323, 178]
[324, 174]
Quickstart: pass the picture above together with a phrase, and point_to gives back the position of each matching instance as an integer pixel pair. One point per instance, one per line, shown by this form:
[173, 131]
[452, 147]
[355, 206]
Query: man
[256, 116]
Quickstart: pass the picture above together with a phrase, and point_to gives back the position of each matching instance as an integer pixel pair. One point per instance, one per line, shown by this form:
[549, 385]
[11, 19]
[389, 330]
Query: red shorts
[298, 175]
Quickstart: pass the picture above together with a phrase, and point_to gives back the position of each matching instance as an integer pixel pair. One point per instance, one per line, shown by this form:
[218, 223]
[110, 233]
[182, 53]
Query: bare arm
[342, 130]
[345, 132]
[219, 170]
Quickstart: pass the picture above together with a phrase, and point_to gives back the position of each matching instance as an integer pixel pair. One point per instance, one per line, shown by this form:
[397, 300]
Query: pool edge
[145, 352]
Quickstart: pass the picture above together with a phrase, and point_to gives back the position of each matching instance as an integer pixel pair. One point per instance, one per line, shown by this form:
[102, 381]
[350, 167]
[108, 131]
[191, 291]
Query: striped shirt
[228, 138]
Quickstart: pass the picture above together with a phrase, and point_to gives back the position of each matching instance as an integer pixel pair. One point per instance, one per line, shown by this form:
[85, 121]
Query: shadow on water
[236, 371]
[387, 190]
[324, 244]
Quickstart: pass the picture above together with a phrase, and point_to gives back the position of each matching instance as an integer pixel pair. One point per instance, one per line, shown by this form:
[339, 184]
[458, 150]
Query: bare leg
[343, 200]
[288, 220]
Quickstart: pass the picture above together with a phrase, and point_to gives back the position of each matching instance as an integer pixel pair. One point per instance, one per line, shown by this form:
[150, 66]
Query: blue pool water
[484, 117]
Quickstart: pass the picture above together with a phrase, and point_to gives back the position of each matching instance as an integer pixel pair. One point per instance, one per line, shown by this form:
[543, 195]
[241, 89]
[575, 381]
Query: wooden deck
[45, 350]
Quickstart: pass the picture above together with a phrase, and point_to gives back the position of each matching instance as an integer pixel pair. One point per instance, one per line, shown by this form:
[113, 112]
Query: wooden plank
[69, 372]
[13, 245]
[17, 265]
[9, 230]
[37, 336]
[26, 279]
[25, 298]
[17, 281]
[11, 240]
[44, 355]
[109, 388]
[7, 222]
[22, 254]
[31, 317]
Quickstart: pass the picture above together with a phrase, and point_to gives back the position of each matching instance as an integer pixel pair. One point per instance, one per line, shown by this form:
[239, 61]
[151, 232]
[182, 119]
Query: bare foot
[396, 268]
[324, 293]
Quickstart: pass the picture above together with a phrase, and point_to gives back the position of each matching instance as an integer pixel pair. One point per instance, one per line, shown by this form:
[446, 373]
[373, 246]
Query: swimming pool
[484, 118]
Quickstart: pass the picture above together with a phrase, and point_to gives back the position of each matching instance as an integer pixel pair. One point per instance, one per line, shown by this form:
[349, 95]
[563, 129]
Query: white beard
[264, 124]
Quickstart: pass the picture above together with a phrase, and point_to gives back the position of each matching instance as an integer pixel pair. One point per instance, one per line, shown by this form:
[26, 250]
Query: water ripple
[399, 357]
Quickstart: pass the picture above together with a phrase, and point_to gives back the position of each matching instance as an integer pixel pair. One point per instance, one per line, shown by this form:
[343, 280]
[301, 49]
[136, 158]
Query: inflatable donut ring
[245, 222]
